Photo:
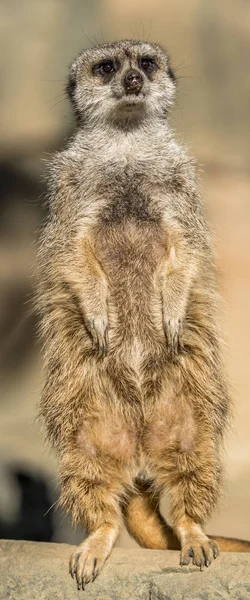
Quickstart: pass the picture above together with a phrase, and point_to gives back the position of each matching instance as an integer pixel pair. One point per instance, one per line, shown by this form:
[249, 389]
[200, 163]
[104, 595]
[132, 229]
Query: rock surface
[39, 571]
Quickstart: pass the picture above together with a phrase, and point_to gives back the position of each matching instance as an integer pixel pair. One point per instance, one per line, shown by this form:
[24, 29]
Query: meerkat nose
[133, 82]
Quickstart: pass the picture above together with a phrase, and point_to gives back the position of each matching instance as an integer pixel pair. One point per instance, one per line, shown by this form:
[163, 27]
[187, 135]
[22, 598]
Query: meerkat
[135, 400]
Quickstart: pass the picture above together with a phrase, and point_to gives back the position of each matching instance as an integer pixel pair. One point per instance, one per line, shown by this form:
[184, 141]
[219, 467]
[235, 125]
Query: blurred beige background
[210, 44]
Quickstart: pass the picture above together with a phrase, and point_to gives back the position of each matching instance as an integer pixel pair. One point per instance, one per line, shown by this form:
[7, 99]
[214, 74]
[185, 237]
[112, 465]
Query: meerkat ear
[71, 85]
[71, 88]
[171, 74]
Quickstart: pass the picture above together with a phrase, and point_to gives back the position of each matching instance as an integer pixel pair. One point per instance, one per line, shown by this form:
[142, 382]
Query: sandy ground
[227, 199]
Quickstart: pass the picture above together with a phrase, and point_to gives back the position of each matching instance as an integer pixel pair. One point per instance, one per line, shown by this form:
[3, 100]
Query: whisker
[103, 40]
[59, 102]
[87, 37]
[52, 506]
[142, 26]
[150, 30]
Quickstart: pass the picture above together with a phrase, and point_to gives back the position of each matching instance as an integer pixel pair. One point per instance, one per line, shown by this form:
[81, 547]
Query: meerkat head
[120, 82]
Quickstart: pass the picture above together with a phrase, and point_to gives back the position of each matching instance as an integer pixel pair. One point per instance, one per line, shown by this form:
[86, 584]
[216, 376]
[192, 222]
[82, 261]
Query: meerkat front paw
[98, 330]
[173, 333]
[200, 551]
[88, 559]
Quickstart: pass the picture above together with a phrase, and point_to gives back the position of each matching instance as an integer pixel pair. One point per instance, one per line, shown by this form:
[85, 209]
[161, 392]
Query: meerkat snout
[133, 82]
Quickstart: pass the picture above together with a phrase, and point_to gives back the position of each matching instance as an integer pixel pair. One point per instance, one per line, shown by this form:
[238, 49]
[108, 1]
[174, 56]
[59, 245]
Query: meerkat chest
[125, 176]
[131, 201]
[127, 193]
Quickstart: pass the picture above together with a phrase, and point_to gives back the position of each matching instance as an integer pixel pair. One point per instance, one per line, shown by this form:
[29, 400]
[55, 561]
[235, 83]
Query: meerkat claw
[73, 564]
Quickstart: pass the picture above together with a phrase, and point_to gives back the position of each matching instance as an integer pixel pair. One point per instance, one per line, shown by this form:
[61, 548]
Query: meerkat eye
[148, 64]
[107, 66]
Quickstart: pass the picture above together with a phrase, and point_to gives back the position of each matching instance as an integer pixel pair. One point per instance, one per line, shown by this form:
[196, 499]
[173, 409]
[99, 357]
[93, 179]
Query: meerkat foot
[85, 566]
[98, 329]
[88, 559]
[173, 333]
[200, 550]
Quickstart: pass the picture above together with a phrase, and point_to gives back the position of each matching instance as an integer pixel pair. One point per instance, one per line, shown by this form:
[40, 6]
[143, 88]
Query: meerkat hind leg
[195, 545]
[193, 493]
[92, 504]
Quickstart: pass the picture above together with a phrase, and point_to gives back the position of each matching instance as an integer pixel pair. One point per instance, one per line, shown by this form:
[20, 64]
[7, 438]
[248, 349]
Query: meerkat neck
[127, 127]
[147, 135]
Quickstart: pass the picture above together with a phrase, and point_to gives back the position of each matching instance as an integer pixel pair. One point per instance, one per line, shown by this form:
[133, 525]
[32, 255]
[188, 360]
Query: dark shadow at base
[34, 522]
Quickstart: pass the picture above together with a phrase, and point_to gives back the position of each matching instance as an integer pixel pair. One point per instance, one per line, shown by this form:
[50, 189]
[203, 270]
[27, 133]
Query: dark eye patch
[147, 64]
[106, 68]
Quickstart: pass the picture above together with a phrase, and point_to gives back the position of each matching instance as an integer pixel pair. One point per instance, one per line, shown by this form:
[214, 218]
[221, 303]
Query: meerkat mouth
[131, 101]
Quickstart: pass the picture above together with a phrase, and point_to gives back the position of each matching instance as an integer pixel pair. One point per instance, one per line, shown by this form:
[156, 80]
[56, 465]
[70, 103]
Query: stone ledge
[39, 571]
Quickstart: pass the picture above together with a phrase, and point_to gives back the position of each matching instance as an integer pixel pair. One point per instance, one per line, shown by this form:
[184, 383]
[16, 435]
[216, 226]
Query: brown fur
[134, 398]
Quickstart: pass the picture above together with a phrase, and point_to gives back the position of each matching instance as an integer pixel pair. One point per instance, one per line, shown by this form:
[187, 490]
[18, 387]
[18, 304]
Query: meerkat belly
[107, 434]
[172, 426]
[130, 253]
